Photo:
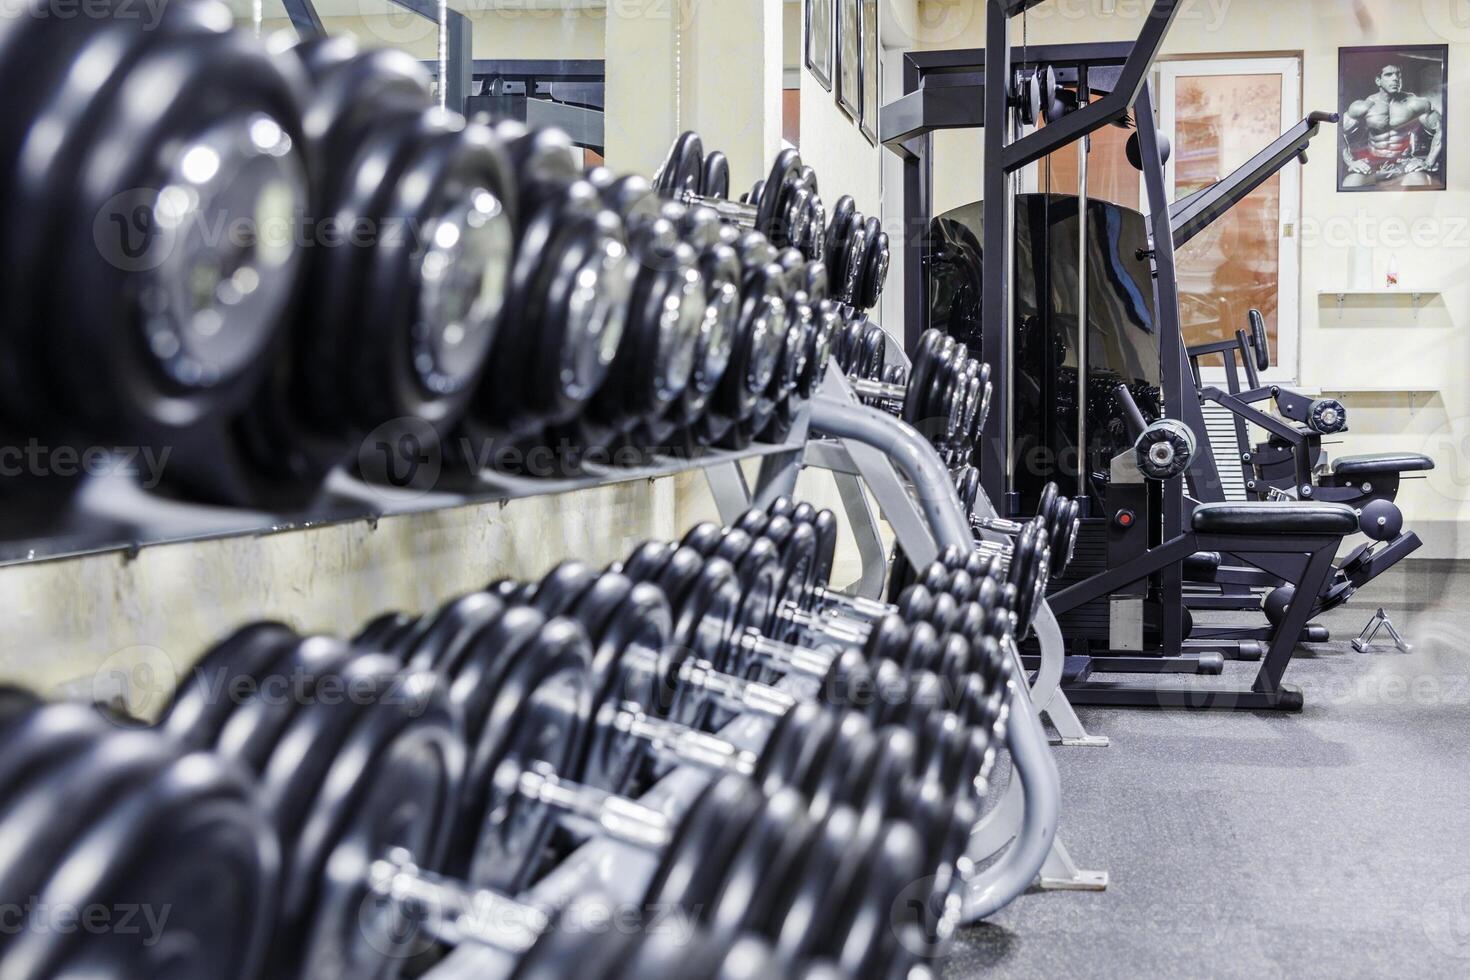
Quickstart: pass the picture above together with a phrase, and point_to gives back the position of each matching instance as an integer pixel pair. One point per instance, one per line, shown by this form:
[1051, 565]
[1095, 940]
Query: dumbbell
[735, 864]
[716, 336]
[688, 625]
[771, 610]
[858, 256]
[130, 319]
[655, 357]
[807, 563]
[662, 666]
[1059, 514]
[944, 384]
[98, 817]
[759, 342]
[549, 944]
[808, 349]
[517, 724]
[786, 207]
[770, 404]
[713, 631]
[1025, 570]
[393, 332]
[566, 309]
[1023, 566]
[772, 396]
[969, 665]
[794, 755]
[860, 349]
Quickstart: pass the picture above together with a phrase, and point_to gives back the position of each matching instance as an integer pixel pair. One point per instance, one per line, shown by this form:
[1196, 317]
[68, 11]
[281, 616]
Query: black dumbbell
[655, 359]
[566, 308]
[509, 692]
[1057, 513]
[550, 944]
[857, 256]
[809, 320]
[785, 206]
[107, 818]
[956, 644]
[691, 622]
[755, 356]
[720, 266]
[717, 866]
[945, 385]
[396, 321]
[152, 261]
[803, 556]
[525, 795]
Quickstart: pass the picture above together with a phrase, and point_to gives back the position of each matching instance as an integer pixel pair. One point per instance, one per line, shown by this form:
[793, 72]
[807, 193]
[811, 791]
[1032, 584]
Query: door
[1219, 114]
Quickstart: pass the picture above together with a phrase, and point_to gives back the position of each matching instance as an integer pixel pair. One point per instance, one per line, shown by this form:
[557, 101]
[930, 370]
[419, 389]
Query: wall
[844, 159]
[515, 32]
[1375, 343]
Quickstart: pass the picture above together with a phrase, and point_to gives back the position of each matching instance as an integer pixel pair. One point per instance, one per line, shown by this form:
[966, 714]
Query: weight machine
[1122, 605]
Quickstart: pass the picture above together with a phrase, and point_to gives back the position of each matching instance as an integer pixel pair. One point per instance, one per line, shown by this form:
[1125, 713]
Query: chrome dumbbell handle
[736, 212]
[997, 524]
[881, 390]
[614, 816]
[738, 695]
[452, 912]
[861, 607]
[823, 628]
[679, 744]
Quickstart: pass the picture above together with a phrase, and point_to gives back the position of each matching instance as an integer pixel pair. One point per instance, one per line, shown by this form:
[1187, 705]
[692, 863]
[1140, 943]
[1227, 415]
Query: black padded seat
[1377, 464]
[1275, 517]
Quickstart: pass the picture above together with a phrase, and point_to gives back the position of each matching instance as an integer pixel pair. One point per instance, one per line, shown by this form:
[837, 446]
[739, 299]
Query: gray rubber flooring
[1333, 843]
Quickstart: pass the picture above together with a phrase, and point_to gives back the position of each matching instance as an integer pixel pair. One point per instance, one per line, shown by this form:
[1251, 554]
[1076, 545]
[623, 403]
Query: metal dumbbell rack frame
[863, 448]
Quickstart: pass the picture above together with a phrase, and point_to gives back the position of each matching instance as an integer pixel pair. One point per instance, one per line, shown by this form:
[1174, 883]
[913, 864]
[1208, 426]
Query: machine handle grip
[1131, 415]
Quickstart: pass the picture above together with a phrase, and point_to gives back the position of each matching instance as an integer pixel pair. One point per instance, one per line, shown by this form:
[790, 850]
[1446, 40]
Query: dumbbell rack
[862, 447]
[914, 493]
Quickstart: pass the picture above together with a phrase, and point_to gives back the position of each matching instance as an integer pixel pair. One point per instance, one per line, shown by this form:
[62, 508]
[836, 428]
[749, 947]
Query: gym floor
[1333, 843]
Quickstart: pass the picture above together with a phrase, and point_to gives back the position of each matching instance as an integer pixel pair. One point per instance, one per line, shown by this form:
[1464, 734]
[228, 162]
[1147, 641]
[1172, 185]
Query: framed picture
[819, 41]
[872, 99]
[849, 59]
[1393, 101]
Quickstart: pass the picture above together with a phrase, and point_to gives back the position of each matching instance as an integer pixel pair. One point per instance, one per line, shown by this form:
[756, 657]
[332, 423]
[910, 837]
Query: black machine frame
[944, 90]
[973, 88]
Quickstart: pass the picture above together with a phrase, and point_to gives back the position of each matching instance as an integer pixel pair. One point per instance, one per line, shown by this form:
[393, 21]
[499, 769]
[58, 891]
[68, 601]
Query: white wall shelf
[1412, 390]
[1417, 297]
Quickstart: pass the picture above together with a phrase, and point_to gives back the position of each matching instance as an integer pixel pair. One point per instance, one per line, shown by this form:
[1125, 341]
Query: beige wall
[511, 33]
[1377, 343]
[791, 11]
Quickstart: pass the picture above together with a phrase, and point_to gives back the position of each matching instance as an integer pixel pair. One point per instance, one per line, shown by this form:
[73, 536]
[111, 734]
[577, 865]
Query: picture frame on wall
[849, 59]
[871, 87]
[1393, 100]
[819, 41]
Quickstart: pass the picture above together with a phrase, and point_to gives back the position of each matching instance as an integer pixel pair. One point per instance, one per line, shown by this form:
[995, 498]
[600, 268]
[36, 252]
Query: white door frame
[1288, 317]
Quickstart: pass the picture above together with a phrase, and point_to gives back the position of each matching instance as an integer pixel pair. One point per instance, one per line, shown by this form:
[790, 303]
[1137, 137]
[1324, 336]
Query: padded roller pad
[1275, 517]
[1202, 566]
[1375, 464]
